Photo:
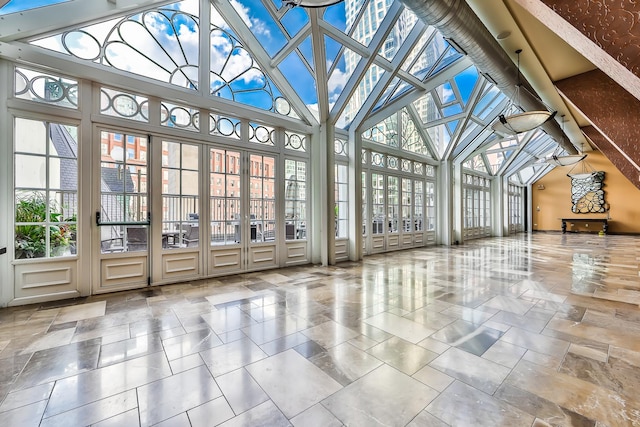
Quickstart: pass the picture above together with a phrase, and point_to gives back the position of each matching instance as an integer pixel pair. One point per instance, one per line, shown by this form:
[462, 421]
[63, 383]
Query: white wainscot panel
[342, 250]
[418, 239]
[393, 242]
[262, 256]
[377, 243]
[296, 253]
[407, 240]
[123, 273]
[48, 280]
[431, 237]
[225, 260]
[177, 265]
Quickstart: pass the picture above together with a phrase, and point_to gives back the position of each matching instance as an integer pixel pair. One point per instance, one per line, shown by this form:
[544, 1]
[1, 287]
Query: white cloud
[447, 94]
[190, 6]
[256, 25]
[336, 82]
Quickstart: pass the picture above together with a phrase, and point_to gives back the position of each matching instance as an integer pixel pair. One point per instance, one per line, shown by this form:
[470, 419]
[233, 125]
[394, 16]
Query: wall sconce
[540, 186]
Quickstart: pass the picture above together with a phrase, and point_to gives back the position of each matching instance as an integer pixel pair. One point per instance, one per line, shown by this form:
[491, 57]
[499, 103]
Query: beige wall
[554, 201]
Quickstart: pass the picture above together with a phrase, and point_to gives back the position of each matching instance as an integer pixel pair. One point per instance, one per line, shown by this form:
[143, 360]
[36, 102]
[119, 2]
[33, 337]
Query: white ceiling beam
[58, 17]
[344, 39]
[412, 95]
[358, 74]
[474, 98]
[474, 143]
[291, 45]
[525, 157]
[382, 84]
[320, 65]
[417, 122]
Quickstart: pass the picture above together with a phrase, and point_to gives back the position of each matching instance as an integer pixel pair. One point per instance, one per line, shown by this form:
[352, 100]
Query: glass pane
[225, 197]
[30, 136]
[190, 182]
[392, 204]
[30, 171]
[45, 220]
[180, 199]
[190, 157]
[378, 206]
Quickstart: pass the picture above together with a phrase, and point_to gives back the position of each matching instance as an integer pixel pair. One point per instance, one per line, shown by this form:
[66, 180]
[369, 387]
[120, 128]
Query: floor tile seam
[137, 356]
[270, 399]
[253, 379]
[43, 417]
[24, 405]
[137, 390]
[322, 402]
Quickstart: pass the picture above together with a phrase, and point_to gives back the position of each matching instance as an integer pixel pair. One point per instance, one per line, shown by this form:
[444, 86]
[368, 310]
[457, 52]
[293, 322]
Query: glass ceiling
[362, 64]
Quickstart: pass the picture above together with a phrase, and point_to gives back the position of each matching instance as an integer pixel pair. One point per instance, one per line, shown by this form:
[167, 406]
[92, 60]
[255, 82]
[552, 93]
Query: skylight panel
[263, 26]
[335, 15]
[447, 58]
[411, 138]
[452, 110]
[338, 76]
[445, 93]
[300, 78]
[489, 101]
[294, 19]
[466, 82]
[440, 137]
[476, 164]
[398, 34]
[425, 54]
[385, 132]
[427, 109]
[306, 50]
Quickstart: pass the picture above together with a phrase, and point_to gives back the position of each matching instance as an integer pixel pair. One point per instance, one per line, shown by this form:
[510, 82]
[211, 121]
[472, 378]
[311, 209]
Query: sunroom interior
[152, 142]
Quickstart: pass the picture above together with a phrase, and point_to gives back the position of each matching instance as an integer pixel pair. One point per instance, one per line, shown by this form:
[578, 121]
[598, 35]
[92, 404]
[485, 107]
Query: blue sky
[19, 5]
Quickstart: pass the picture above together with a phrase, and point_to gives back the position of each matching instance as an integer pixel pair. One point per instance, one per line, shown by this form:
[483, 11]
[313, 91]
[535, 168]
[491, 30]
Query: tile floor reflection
[522, 331]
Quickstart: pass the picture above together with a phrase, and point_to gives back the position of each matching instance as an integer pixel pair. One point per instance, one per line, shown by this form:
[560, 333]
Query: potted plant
[30, 239]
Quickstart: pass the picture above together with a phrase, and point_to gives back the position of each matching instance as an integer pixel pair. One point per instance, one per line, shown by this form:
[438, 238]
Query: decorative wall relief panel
[587, 194]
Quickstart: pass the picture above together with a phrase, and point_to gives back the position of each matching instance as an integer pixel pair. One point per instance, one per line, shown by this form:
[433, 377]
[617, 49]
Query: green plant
[30, 239]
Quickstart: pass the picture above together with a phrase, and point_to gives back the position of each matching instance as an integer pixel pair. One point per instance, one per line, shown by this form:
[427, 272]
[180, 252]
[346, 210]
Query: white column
[89, 101]
[354, 149]
[6, 212]
[499, 217]
[448, 204]
[318, 182]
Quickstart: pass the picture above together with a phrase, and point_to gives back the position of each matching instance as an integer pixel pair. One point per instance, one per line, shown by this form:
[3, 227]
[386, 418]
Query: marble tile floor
[530, 330]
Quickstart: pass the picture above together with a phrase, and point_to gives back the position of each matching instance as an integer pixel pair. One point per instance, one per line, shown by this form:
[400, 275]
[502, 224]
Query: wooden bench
[586, 222]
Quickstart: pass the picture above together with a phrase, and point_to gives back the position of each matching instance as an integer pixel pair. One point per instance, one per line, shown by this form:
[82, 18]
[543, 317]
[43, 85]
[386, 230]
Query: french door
[122, 216]
[397, 212]
[154, 225]
[242, 211]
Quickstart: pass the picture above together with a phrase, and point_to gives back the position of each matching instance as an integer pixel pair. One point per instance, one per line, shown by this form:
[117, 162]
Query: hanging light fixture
[311, 3]
[517, 120]
[558, 159]
[565, 160]
[585, 170]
